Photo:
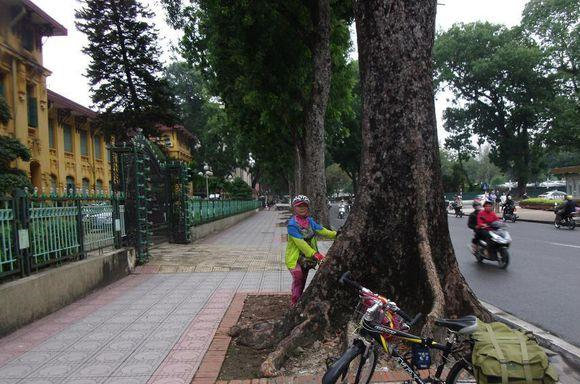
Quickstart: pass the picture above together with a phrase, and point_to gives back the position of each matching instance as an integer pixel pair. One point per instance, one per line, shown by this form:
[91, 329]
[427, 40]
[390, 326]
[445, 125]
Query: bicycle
[381, 322]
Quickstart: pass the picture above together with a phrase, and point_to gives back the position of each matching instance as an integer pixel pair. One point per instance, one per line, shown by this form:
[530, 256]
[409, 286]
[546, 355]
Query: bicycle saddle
[464, 325]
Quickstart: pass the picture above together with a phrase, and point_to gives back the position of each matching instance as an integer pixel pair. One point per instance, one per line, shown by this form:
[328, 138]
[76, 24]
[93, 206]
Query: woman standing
[302, 251]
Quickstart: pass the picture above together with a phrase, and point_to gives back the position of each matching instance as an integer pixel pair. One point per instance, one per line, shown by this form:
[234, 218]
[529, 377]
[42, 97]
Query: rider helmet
[568, 197]
[300, 200]
[476, 204]
[487, 202]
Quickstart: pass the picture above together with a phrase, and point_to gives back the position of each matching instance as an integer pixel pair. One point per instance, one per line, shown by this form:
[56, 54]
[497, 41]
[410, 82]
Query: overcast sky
[63, 56]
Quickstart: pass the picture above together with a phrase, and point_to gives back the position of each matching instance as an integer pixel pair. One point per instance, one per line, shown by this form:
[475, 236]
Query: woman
[302, 251]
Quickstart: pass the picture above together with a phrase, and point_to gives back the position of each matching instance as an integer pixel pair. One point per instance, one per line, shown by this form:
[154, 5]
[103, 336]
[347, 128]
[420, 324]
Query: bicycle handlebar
[345, 279]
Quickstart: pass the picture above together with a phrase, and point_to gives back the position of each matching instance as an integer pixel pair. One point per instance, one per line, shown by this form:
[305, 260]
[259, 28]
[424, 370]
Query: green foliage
[5, 115]
[500, 93]
[337, 180]
[124, 65]
[344, 131]
[257, 58]
[238, 189]
[539, 201]
[10, 178]
[554, 25]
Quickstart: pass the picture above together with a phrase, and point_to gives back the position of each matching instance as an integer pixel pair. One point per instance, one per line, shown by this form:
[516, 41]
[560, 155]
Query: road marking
[566, 245]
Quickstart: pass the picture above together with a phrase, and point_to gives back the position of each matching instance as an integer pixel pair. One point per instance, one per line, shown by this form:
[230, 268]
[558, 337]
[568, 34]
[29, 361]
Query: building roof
[180, 128]
[565, 170]
[62, 102]
[54, 28]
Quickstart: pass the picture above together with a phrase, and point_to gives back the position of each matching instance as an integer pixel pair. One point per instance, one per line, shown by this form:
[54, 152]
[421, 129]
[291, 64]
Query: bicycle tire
[461, 373]
[351, 367]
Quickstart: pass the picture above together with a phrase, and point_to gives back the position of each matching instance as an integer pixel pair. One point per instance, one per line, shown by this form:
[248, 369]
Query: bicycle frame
[379, 332]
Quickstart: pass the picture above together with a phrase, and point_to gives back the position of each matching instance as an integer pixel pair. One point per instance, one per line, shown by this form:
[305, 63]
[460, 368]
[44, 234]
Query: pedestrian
[301, 250]
[497, 202]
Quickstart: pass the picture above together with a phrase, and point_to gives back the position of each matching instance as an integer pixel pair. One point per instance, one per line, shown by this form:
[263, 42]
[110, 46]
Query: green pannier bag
[502, 355]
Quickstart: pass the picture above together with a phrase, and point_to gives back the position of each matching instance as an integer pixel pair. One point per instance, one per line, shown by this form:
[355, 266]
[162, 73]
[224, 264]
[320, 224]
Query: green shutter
[68, 143]
[32, 112]
[51, 140]
[84, 144]
[1, 85]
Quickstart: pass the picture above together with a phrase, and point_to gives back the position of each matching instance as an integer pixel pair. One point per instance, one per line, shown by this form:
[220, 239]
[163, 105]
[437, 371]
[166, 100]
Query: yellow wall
[63, 164]
[180, 149]
[19, 70]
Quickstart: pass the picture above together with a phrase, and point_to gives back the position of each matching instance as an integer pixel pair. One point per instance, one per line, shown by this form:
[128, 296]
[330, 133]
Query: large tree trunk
[314, 169]
[298, 171]
[396, 240]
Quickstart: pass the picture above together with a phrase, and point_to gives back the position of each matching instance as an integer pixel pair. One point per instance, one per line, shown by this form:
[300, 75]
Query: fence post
[80, 228]
[116, 222]
[21, 206]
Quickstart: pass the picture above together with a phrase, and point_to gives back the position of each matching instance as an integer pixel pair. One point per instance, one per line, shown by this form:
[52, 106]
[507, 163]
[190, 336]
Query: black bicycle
[383, 328]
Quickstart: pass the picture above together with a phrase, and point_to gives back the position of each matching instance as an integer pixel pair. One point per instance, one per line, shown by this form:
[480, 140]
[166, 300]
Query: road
[542, 283]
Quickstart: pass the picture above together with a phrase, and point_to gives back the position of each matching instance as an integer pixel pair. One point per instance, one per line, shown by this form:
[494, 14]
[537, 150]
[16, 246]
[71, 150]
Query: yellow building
[65, 150]
[178, 141]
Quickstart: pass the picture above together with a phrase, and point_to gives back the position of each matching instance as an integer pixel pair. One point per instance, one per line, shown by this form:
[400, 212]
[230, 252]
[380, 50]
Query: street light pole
[206, 186]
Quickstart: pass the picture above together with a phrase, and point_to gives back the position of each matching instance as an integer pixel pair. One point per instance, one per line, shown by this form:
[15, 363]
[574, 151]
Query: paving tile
[34, 358]
[126, 380]
[85, 380]
[16, 370]
[55, 370]
[93, 369]
[72, 357]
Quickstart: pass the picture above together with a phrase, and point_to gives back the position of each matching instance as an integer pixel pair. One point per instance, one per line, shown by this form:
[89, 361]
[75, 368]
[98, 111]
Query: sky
[63, 56]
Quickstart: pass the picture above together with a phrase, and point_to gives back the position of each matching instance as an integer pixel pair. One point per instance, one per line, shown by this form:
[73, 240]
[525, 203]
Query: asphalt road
[542, 283]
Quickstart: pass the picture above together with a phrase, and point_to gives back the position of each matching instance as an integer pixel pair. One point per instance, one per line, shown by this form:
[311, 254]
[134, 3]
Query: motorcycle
[458, 209]
[566, 221]
[509, 213]
[496, 248]
[341, 212]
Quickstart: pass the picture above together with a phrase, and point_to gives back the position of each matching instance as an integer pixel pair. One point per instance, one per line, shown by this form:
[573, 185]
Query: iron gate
[154, 191]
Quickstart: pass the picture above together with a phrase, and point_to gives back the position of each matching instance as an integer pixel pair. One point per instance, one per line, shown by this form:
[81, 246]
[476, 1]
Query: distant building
[68, 152]
[572, 175]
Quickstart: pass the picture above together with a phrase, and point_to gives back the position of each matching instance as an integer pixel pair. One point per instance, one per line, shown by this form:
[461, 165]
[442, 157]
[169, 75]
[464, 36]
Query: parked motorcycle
[509, 213]
[496, 248]
[566, 221]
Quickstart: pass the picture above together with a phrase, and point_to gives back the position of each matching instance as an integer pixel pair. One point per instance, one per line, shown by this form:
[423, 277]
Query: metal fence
[41, 231]
[203, 211]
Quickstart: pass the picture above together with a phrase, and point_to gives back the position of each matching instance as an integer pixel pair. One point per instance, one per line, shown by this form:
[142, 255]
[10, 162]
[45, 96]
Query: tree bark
[396, 239]
[314, 143]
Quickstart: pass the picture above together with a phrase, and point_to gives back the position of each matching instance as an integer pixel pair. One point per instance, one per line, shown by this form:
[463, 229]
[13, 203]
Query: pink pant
[298, 282]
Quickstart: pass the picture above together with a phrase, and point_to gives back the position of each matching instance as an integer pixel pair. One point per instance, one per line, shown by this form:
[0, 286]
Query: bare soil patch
[242, 362]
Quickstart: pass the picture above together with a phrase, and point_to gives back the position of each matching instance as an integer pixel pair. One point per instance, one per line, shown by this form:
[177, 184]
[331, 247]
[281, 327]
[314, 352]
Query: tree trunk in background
[298, 171]
[396, 240]
[314, 167]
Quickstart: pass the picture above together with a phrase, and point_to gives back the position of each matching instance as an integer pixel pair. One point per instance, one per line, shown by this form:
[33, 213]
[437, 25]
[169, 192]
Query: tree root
[312, 328]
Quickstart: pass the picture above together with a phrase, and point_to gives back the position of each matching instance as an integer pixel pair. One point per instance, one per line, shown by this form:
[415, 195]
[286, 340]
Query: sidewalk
[156, 325]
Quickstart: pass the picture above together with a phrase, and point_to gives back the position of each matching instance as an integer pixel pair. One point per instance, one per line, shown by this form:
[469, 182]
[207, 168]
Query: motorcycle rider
[508, 205]
[472, 222]
[484, 220]
[565, 209]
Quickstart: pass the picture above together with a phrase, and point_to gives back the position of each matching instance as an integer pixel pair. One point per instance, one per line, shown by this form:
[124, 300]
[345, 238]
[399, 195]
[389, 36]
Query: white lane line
[566, 245]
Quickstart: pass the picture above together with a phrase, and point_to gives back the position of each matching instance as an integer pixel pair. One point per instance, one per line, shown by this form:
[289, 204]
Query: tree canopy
[11, 178]
[124, 71]
[500, 93]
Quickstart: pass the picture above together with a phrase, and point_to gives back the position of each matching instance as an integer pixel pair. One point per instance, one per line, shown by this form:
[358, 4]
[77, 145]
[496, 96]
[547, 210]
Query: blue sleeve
[314, 225]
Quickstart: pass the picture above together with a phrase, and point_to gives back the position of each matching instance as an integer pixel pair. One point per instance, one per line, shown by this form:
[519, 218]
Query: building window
[53, 185]
[86, 186]
[68, 139]
[100, 186]
[2, 76]
[32, 103]
[97, 147]
[51, 134]
[84, 143]
[70, 185]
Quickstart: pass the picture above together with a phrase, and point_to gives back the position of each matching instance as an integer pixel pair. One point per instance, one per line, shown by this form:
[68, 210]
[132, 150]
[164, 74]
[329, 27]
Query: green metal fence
[204, 211]
[40, 231]
[8, 262]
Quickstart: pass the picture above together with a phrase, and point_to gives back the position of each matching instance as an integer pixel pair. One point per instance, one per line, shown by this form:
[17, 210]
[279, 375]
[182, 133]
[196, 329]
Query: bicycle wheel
[352, 367]
[461, 373]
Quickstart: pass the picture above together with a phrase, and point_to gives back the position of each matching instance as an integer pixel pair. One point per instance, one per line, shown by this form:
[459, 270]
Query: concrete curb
[545, 338]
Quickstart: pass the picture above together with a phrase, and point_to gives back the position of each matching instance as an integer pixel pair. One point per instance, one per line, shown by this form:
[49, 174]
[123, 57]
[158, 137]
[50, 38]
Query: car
[553, 195]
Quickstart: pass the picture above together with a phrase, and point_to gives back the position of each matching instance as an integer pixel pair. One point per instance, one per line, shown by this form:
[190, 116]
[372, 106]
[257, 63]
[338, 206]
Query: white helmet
[298, 199]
